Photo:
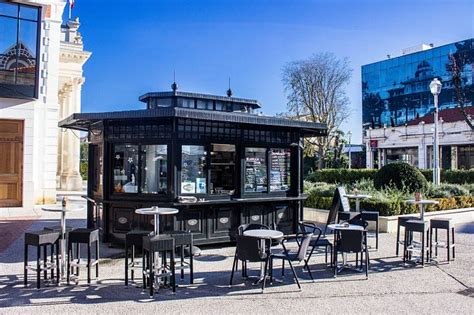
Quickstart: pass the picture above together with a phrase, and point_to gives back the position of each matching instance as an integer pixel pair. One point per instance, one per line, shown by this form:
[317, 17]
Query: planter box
[389, 224]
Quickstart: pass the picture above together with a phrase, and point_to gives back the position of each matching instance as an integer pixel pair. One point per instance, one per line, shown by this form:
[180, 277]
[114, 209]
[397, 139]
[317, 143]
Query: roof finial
[174, 86]
[229, 91]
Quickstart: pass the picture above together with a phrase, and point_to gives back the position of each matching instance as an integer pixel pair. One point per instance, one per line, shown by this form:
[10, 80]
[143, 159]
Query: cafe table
[357, 198]
[422, 205]
[63, 210]
[264, 235]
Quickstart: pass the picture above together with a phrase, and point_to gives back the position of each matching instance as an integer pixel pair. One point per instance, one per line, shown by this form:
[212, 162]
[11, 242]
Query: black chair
[402, 220]
[447, 225]
[41, 240]
[372, 216]
[316, 240]
[163, 245]
[133, 240]
[409, 246]
[183, 239]
[252, 226]
[78, 237]
[303, 240]
[352, 241]
[250, 249]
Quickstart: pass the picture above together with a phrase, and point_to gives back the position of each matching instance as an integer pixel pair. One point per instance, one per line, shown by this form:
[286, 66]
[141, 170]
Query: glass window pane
[255, 169]
[164, 102]
[125, 168]
[193, 174]
[30, 13]
[185, 102]
[154, 173]
[8, 9]
[8, 53]
[280, 170]
[205, 104]
[222, 169]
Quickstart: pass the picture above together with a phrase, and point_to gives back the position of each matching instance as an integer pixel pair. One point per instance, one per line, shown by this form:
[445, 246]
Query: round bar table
[264, 235]
[63, 211]
[422, 204]
[357, 198]
[156, 211]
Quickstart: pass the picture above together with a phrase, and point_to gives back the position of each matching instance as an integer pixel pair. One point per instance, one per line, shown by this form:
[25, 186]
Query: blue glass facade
[396, 91]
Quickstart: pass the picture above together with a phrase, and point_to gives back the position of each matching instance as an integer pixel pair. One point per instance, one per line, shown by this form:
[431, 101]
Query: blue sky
[136, 45]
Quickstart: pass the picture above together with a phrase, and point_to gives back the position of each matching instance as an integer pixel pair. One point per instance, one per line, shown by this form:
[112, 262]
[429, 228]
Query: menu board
[256, 173]
[280, 170]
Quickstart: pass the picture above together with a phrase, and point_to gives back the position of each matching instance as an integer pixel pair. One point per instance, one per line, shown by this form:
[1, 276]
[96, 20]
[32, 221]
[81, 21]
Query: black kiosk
[214, 158]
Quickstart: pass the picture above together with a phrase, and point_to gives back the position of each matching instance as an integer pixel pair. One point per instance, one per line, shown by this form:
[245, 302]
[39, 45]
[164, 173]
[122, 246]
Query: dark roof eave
[82, 121]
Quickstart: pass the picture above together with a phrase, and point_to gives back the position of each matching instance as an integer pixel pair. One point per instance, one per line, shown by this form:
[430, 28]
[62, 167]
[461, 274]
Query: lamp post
[350, 149]
[435, 87]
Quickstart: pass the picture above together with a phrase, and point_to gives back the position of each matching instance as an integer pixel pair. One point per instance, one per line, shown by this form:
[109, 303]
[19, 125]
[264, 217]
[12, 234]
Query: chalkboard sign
[255, 170]
[280, 170]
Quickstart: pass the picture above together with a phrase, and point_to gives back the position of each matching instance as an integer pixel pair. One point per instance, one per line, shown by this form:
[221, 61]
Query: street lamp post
[350, 149]
[435, 87]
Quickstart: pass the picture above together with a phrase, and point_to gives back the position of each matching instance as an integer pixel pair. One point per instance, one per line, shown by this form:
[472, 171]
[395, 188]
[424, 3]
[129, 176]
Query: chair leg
[151, 278]
[294, 274]
[25, 266]
[191, 265]
[126, 263]
[69, 254]
[58, 275]
[423, 252]
[431, 243]
[78, 256]
[88, 263]
[377, 234]
[326, 254]
[51, 248]
[282, 267]
[234, 263]
[448, 247]
[309, 270]
[271, 271]
[454, 244]
[436, 242]
[398, 240]
[173, 271]
[144, 268]
[45, 261]
[97, 261]
[38, 267]
[366, 264]
[182, 262]
[265, 269]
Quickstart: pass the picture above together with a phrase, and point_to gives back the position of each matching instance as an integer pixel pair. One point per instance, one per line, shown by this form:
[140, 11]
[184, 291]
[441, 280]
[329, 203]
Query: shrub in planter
[447, 191]
[402, 176]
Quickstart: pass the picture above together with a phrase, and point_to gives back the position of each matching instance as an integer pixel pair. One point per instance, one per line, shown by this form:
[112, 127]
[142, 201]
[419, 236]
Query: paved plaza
[392, 287]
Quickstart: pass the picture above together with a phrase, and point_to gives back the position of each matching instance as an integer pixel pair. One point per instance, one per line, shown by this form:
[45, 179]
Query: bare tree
[462, 91]
[315, 90]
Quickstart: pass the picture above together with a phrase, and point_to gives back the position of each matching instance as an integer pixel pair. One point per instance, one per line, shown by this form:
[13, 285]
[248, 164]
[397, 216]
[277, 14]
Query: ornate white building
[40, 82]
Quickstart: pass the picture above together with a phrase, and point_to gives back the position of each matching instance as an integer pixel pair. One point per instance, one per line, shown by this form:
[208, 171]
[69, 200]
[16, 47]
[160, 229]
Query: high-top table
[422, 204]
[63, 211]
[156, 211]
[357, 198]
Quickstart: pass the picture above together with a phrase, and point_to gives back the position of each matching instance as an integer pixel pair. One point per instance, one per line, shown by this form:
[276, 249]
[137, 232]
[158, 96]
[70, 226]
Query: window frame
[18, 18]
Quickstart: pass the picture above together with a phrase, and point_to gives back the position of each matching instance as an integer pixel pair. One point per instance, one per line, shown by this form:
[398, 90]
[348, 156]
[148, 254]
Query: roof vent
[174, 86]
[229, 91]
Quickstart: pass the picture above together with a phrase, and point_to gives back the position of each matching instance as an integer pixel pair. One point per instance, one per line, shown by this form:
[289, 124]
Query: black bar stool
[416, 226]
[133, 239]
[443, 224]
[401, 223]
[163, 245]
[78, 237]
[372, 216]
[184, 239]
[41, 240]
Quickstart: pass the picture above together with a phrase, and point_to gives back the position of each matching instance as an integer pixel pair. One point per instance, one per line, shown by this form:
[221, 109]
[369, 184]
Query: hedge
[346, 176]
[387, 208]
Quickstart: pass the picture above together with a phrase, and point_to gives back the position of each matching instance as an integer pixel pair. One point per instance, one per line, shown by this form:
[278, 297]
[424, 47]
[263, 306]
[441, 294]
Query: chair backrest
[304, 244]
[249, 248]
[357, 220]
[350, 241]
[339, 203]
[310, 227]
[251, 226]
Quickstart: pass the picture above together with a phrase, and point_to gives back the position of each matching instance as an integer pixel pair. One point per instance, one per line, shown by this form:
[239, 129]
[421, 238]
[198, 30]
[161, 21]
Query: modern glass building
[398, 107]
[396, 91]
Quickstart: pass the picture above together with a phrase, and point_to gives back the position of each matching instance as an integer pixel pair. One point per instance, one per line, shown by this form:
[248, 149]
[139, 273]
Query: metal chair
[351, 241]
[249, 249]
[316, 240]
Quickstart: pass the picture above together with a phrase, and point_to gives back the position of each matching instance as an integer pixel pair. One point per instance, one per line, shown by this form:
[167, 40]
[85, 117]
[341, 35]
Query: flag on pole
[71, 3]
